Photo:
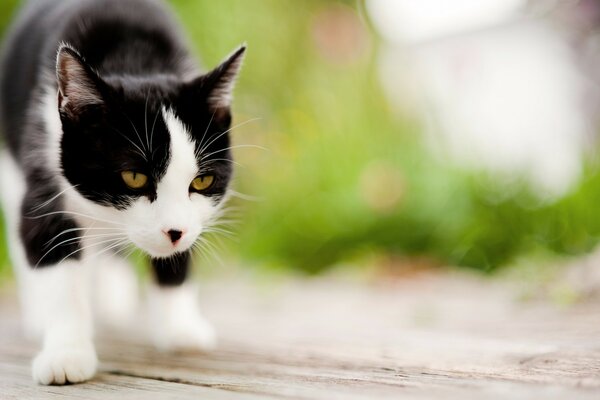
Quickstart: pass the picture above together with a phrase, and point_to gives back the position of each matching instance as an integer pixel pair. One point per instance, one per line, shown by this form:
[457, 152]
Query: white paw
[57, 366]
[197, 334]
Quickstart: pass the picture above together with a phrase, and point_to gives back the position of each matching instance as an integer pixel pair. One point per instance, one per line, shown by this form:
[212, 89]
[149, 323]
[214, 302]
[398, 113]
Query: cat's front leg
[115, 291]
[60, 296]
[55, 285]
[176, 321]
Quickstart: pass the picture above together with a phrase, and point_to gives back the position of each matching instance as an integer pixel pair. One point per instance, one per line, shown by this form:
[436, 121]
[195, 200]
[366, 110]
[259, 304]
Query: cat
[113, 139]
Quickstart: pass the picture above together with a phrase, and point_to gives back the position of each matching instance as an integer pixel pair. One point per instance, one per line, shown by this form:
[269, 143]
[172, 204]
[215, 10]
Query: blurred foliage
[344, 176]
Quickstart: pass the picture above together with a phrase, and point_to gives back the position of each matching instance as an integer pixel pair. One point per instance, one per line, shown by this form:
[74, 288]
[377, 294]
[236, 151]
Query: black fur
[43, 227]
[135, 60]
[171, 271]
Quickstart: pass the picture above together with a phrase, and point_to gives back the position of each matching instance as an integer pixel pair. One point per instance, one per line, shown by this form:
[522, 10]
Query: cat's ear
[220, 81]
[216, 86]
[78, 84]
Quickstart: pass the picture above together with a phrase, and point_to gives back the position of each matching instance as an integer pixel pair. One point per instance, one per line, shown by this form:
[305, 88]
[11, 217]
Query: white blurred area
[499, 86]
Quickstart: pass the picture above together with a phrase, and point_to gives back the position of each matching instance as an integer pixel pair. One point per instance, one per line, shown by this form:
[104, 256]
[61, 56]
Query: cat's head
[150, 155]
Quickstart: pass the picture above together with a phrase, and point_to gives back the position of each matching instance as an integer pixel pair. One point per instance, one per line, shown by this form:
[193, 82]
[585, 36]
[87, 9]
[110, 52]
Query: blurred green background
[345, 179]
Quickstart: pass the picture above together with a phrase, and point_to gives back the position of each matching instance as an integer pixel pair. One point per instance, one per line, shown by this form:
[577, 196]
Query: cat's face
[150, 156]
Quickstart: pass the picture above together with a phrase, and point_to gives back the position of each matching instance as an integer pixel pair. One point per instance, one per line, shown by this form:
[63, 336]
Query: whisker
[200, 145]
[109, 247]
[244, 196]
[235, 147]
[44, 204]
[210, 247]
[87, 229]
[68, 255]
[223, 133]
[152, 132]
[214, 229]
[146, 120]
[126, 247]
[212, 160]
[203, 252]
[139, 150]
[76, 214]
[99, 235]
[136, 131]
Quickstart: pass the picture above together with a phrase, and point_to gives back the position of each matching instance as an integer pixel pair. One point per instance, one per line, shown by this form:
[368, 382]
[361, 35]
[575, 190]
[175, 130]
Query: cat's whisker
[146, 122]
[152, 132]
[219, 240]
[80, 238]
[87, 229]
[228, 222]
[202, 246]
[201, 250]
[244, 196]
[201, 144]
[219, 220]
[53, 198]
[107, 248]
[125, 247]
[235, 147]
[84, 236]
[212, 160]
[68, 255]
[210, 247]
[225, 132]
[229, 209]
[76, 214]
[222, 231]
[136, 132]
[138, 149]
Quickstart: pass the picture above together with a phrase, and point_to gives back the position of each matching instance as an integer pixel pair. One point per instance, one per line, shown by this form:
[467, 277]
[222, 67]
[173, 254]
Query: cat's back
[116, 37]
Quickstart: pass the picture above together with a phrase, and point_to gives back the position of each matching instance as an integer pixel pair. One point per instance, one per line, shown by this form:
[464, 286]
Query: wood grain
[431, 336]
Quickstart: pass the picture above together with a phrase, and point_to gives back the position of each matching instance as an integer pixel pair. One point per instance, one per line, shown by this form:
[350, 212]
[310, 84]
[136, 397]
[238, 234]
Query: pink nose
[174, 235]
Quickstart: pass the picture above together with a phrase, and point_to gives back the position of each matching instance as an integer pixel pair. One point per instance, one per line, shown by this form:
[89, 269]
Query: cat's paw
[197, 334]
[58, 366]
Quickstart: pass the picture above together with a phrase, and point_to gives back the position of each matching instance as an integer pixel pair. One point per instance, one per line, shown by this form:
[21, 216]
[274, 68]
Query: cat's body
[113, 138]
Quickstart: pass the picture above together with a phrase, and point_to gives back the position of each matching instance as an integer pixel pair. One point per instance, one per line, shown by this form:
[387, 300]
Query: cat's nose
[174, 235]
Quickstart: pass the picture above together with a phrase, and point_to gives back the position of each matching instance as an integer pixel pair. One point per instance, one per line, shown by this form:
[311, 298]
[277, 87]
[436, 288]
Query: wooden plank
[327, 339]
[16, 383]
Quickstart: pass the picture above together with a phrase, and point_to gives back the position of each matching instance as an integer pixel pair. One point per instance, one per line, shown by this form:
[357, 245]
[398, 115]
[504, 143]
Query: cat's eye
[202, 182]
[134, 180]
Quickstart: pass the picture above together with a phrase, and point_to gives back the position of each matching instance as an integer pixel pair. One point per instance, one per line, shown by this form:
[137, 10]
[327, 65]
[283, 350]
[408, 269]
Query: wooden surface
[429, 336]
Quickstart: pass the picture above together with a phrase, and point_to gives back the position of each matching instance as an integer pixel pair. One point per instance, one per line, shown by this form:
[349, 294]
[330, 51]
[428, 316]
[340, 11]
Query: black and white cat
[113, 139]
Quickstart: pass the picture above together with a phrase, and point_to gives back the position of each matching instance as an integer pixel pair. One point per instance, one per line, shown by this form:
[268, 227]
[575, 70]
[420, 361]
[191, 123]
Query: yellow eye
[134, 180]
[202, 182]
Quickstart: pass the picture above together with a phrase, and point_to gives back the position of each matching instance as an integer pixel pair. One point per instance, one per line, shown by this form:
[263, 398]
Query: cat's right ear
[214, 89]
[78, 85]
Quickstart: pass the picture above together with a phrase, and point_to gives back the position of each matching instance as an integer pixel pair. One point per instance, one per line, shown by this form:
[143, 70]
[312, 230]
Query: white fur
[64, 312]
[57, 300]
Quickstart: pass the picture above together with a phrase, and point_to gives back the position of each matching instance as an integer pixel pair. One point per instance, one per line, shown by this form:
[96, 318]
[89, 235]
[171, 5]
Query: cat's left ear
[217, 85]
